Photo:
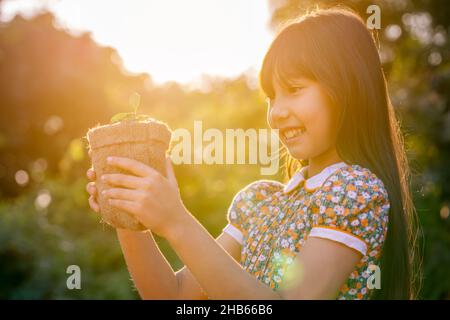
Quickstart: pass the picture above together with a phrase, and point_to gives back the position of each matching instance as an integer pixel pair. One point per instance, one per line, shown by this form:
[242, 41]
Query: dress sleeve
[353, 211]
[242, 208]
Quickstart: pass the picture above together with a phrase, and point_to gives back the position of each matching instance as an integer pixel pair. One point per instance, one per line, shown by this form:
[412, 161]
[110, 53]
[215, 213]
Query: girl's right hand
[92, 190]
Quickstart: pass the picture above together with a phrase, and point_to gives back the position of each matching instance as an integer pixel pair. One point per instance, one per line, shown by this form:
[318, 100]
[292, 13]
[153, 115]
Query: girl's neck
[317, 164]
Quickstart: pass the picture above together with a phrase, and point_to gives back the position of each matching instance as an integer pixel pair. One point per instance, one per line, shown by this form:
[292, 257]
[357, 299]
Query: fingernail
[103, 192]
[103, 178]
[109, 159]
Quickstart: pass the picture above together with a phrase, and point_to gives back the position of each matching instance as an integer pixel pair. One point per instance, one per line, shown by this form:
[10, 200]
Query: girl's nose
[278, 114]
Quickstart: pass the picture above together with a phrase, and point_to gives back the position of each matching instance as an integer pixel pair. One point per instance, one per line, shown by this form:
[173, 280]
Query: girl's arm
[219, 275]
[189, 287]
[155, 201]
[317, 273]
[152, 274]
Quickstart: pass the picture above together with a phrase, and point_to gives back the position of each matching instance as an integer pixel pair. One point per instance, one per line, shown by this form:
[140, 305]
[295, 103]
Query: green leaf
[135, 101]
[143, 117]
[122, 116]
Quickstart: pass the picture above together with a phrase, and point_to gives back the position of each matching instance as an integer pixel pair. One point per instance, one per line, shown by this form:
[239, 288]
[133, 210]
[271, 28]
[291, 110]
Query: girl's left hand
[152, 198]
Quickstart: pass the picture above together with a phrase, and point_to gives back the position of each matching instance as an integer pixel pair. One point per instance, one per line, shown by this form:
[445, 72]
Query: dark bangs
[288, 58]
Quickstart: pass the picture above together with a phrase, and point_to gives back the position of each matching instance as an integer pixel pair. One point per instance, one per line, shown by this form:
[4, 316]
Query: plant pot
[146, 141]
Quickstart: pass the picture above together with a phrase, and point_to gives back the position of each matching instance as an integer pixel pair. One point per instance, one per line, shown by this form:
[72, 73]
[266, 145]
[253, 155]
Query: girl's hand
[92, 190]
[151, 197]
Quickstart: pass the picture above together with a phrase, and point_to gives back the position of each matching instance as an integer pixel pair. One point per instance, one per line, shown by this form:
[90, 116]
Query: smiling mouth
[292, 133]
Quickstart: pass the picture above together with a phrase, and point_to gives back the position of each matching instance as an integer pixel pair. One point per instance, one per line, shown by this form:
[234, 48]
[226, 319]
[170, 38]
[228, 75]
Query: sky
[172, 40]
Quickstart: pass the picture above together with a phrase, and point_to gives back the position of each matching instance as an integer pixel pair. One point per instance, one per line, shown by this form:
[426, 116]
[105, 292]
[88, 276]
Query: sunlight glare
[172, 40]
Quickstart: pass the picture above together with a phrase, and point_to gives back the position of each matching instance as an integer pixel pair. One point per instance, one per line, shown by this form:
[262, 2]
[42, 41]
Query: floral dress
[344, 203]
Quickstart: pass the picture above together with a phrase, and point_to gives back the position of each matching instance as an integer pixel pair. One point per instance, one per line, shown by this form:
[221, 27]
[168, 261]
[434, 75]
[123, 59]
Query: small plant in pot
[131, 135]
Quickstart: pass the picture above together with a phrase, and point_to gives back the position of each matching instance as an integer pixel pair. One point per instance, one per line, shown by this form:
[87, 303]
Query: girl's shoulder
[352, 207]
[260, 189]
[355, 178]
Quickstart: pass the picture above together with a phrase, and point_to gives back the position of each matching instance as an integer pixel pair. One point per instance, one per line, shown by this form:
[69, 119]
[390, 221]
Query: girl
[341, 227]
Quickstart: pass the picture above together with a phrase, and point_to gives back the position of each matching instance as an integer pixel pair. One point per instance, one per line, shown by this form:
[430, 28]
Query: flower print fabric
[344, 203]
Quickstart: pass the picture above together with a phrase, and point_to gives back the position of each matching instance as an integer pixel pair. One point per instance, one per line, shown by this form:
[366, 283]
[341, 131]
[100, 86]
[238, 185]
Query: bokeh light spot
[22, 178]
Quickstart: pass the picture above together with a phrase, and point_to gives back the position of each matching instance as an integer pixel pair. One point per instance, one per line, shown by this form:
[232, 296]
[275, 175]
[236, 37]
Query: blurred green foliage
[54, 86]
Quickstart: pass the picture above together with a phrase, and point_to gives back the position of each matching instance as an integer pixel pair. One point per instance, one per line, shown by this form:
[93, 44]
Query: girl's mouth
[290, 134]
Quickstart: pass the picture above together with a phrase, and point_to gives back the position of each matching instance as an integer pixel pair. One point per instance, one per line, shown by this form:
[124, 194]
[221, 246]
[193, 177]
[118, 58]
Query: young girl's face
[304, 117]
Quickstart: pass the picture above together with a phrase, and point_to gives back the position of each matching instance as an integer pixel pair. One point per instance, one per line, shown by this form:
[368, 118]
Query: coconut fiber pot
[146, 141]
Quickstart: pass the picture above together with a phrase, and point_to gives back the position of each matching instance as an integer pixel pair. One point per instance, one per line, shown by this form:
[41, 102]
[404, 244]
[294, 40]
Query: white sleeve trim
[234, 232]
[340, 236]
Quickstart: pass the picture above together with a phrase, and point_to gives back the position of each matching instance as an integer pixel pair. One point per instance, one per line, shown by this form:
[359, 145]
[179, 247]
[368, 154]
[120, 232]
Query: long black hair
[334, 47]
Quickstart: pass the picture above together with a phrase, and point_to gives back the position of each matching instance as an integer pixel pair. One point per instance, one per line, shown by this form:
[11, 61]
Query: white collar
[313, 182]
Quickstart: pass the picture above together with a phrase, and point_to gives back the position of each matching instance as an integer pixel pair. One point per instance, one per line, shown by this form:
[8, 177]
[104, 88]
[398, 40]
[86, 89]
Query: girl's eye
[293, 90]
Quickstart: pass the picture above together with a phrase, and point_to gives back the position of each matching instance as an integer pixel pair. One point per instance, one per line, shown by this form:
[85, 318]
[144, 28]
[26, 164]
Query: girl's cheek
[318, 129]
[327, 133]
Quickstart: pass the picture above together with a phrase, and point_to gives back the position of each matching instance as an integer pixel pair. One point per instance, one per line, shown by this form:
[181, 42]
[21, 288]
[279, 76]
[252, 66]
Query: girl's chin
[296, 147]
[297, 152]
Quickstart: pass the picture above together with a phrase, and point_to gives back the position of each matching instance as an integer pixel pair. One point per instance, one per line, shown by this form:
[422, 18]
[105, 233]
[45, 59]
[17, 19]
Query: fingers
[91, 188]
[93, 204]
[124, 194]
[126, 181]
[135, 167]
[90, 174]
[129, 206]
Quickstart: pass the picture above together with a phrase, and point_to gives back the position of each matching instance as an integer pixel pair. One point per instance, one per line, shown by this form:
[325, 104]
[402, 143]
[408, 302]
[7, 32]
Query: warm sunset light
[171, 39]
[263, 150]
